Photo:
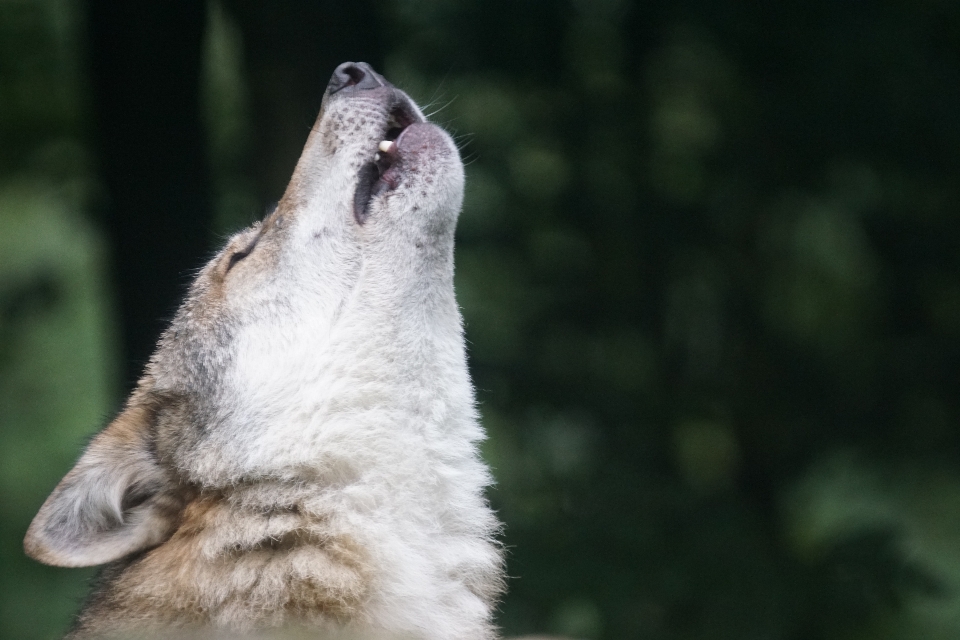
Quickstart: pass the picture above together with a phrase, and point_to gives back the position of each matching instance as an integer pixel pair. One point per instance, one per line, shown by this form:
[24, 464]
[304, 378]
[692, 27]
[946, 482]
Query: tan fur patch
[238, 568]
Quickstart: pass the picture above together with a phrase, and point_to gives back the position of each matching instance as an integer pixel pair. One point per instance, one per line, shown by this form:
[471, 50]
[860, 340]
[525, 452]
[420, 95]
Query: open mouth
[382, 173]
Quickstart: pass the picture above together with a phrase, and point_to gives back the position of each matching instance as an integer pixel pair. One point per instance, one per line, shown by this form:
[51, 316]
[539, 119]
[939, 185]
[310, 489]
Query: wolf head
[314, 348]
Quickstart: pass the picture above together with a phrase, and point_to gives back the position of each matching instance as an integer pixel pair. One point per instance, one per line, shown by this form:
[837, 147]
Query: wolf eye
[240, 254]
[237, 257]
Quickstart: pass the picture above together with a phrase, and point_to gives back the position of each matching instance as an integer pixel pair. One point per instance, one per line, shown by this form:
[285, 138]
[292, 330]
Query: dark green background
[708, 264]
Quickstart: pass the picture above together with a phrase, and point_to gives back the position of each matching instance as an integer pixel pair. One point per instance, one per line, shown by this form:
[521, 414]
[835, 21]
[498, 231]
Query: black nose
[355, 76]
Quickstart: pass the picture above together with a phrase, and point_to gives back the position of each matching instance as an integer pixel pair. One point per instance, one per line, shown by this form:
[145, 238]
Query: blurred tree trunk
[145, 69]
[145, 62]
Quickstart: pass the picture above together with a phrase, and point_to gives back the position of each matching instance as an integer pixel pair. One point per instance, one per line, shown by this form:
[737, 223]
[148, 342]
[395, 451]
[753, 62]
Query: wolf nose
[355, 76]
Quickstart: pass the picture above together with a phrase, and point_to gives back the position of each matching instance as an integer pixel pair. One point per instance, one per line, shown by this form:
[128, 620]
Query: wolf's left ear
[115, 501]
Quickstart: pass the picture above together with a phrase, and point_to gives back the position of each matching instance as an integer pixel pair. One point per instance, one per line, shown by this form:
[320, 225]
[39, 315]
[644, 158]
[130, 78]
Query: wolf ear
[115, 501]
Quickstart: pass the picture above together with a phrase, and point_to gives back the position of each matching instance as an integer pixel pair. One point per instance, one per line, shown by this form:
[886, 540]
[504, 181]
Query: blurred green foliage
[708, 265]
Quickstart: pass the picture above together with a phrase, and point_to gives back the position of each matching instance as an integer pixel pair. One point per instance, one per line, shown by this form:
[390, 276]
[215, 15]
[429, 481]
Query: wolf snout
[355, 76]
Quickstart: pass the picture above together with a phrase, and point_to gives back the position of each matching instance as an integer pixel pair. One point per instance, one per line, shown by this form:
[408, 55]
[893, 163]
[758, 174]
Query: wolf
[302, 448]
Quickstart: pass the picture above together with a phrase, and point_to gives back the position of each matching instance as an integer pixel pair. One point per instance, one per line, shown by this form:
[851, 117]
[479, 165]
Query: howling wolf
[302, 447]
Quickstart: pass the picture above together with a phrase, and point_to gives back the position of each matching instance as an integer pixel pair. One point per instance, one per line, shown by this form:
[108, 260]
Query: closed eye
[237, 256]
